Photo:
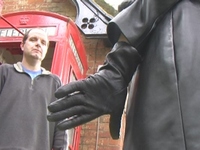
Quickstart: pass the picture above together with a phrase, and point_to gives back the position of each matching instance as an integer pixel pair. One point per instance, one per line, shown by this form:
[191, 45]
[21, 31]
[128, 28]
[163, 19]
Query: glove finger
[67, 113]
[68, 89]
[76, 121]
[66, 102]
[115, 124]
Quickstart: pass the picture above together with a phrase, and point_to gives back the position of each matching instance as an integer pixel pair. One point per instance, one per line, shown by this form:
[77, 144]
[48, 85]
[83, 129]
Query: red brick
[35, 1]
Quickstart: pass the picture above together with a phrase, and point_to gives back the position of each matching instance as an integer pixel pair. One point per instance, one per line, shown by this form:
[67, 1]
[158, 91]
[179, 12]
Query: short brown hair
[25, 37]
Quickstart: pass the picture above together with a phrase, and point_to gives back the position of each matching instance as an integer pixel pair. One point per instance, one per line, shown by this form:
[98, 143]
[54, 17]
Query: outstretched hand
[82, 101]
[102, 93]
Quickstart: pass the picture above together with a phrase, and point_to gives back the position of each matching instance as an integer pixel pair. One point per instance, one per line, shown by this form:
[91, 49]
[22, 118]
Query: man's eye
[33, 39]
[44, 43]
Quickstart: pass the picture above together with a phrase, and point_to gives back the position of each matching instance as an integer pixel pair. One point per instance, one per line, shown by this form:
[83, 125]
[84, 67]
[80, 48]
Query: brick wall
[95, 134]
[63, 7]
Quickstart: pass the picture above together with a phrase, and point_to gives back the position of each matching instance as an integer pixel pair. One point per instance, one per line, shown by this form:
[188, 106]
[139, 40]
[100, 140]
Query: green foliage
[107, 7]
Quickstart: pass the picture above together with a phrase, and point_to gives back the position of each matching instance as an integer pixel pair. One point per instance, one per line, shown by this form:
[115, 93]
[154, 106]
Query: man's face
[36, 45]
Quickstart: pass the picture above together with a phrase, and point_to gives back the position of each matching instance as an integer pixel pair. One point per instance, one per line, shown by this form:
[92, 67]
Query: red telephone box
[66, 56]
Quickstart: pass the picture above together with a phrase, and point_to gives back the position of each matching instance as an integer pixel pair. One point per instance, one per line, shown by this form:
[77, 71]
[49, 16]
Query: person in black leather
[163, 52]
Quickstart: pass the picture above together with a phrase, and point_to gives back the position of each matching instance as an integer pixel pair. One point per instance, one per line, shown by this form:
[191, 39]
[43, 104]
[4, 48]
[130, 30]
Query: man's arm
[3, 72]
[59, 139]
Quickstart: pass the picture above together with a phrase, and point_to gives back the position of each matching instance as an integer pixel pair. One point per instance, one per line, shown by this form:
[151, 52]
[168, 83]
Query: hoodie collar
[18, 67]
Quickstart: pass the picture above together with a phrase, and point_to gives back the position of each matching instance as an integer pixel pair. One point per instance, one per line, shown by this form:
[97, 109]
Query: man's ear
[22, 46]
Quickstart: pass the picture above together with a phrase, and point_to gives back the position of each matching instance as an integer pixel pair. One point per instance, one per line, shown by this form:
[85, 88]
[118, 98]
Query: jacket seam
[177, 80]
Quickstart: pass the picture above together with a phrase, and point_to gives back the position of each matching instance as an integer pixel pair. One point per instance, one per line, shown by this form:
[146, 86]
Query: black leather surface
[163, 112]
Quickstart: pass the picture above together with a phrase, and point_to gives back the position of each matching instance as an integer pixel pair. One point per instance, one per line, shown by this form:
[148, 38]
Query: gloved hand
[102, 93]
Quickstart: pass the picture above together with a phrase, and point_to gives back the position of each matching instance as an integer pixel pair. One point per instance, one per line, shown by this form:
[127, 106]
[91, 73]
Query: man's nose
[38, 43]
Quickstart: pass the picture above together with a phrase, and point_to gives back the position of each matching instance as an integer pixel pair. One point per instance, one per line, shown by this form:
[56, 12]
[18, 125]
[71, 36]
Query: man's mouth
[37, 51]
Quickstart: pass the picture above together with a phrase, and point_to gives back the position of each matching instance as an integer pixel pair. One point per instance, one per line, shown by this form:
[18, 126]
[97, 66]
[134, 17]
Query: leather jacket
[164, 106]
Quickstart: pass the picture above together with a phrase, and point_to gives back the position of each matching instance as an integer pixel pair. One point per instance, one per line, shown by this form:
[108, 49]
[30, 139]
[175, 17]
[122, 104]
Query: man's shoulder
[52, 75]
[55, 77]
[6, 66]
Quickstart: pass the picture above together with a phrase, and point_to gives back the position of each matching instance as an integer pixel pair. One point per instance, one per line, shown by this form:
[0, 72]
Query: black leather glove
[102, 93]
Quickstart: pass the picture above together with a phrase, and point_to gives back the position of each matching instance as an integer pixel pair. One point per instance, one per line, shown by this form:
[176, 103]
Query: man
[26, 89]
[163, 47]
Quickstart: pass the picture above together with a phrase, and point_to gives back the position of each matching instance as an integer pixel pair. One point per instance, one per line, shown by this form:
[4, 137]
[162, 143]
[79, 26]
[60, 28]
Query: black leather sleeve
[138, 20]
